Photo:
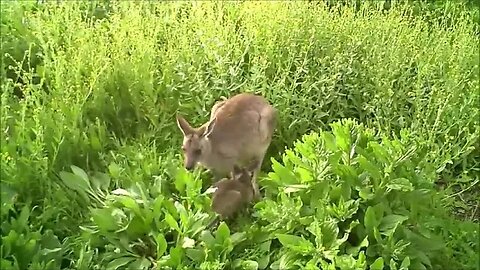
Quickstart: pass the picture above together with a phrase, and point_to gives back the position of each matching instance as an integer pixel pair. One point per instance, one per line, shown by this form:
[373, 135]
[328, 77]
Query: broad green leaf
[170, 207]
[45, 251]
[286, 261]
[51, 247]
[130, 204]
[249, 265]
[305, 175]
[294, 188]
[405, 263]
[263, 261]
[198, 225]
[379, 152]
[100, 181]
[370, 219]
[104, 220]
[114, 170]
[74, 181]
[140, 264]
[76, 170]
[183, 214]
[161, 244]
[389, 223]
[377, 235]
[21, 222]
[181, 179]
[137, 227]
[207, 237]
[195, 254]
[422, 257]
[402, 184]
[8, 265]
[366, 193]
[345, 262]
[265, 246]
[157, 209]
[346, 190]
[329, 140]
[355, 250]
[119, 262]
[377, 264]
[316, 230]
[418, 266]
[289, 240]
[342, 137]
[296, 243]
[291, 156]
[329, 233]
[172, 222]
[361, 261]
[346, 172]
[238, 237]
[223, 233]
[371, 168]
[176, 256]
[285, 176]
[423, 243]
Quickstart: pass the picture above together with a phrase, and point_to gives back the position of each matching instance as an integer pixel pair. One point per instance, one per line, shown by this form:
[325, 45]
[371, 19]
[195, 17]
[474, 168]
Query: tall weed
[97, 85]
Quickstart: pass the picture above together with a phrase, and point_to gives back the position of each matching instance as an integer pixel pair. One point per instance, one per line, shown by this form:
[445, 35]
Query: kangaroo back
[227, 202]
[240, 129]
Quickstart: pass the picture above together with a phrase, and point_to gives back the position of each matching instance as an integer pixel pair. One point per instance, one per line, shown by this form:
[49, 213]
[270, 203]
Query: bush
[97, 84]
[356, 201]
[343, 199]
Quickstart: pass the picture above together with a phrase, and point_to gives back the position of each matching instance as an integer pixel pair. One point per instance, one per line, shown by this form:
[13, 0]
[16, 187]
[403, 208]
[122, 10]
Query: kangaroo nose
[189, 167]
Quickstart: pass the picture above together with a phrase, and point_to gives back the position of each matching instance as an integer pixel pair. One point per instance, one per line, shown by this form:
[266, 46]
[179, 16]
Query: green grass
[97, 85]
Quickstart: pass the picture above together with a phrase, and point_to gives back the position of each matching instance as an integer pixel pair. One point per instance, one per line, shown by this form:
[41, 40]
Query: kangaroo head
[244, 174]
[196, 144]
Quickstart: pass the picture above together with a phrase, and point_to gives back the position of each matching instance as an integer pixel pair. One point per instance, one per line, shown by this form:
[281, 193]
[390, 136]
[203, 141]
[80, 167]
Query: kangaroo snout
[189, 166]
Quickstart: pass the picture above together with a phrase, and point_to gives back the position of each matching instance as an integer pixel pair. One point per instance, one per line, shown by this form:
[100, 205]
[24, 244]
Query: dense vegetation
[374, 165]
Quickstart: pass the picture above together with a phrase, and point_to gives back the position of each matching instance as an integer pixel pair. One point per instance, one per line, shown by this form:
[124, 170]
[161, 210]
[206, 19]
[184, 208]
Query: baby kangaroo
[234, 193]
[239, 131]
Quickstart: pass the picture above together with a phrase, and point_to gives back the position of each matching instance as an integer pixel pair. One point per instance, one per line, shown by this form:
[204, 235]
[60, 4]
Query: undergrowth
[90, 153]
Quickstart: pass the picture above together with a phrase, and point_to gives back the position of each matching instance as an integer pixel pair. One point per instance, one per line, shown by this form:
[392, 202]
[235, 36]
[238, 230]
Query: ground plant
[375, 163]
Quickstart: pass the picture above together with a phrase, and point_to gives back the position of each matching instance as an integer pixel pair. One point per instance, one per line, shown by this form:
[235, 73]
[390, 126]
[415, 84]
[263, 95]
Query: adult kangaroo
[239, 132]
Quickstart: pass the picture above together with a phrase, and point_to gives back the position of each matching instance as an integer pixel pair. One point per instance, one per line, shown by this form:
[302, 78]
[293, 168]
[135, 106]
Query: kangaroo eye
[197, 152]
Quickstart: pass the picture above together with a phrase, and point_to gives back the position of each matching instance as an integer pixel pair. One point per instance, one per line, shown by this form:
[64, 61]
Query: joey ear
[253, 166]
[236, 170]
[210, 127]
[184, 126]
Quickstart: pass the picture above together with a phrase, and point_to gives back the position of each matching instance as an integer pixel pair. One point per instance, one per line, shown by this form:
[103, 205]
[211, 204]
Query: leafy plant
[359, 202]
[25, 247]
[87, 83]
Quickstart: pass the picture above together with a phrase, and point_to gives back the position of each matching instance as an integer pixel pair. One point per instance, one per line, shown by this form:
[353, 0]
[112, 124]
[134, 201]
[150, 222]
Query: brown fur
[239, 131]
[233, 193]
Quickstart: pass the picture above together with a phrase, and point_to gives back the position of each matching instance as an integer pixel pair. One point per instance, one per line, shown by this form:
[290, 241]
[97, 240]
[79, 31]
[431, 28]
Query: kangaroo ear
[210, 127]
[184, 126]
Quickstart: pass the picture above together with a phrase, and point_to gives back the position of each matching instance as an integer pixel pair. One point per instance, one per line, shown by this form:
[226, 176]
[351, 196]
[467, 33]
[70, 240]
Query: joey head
[234, 193]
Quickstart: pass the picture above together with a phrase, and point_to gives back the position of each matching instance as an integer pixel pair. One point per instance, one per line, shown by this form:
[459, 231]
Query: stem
[460, 192]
